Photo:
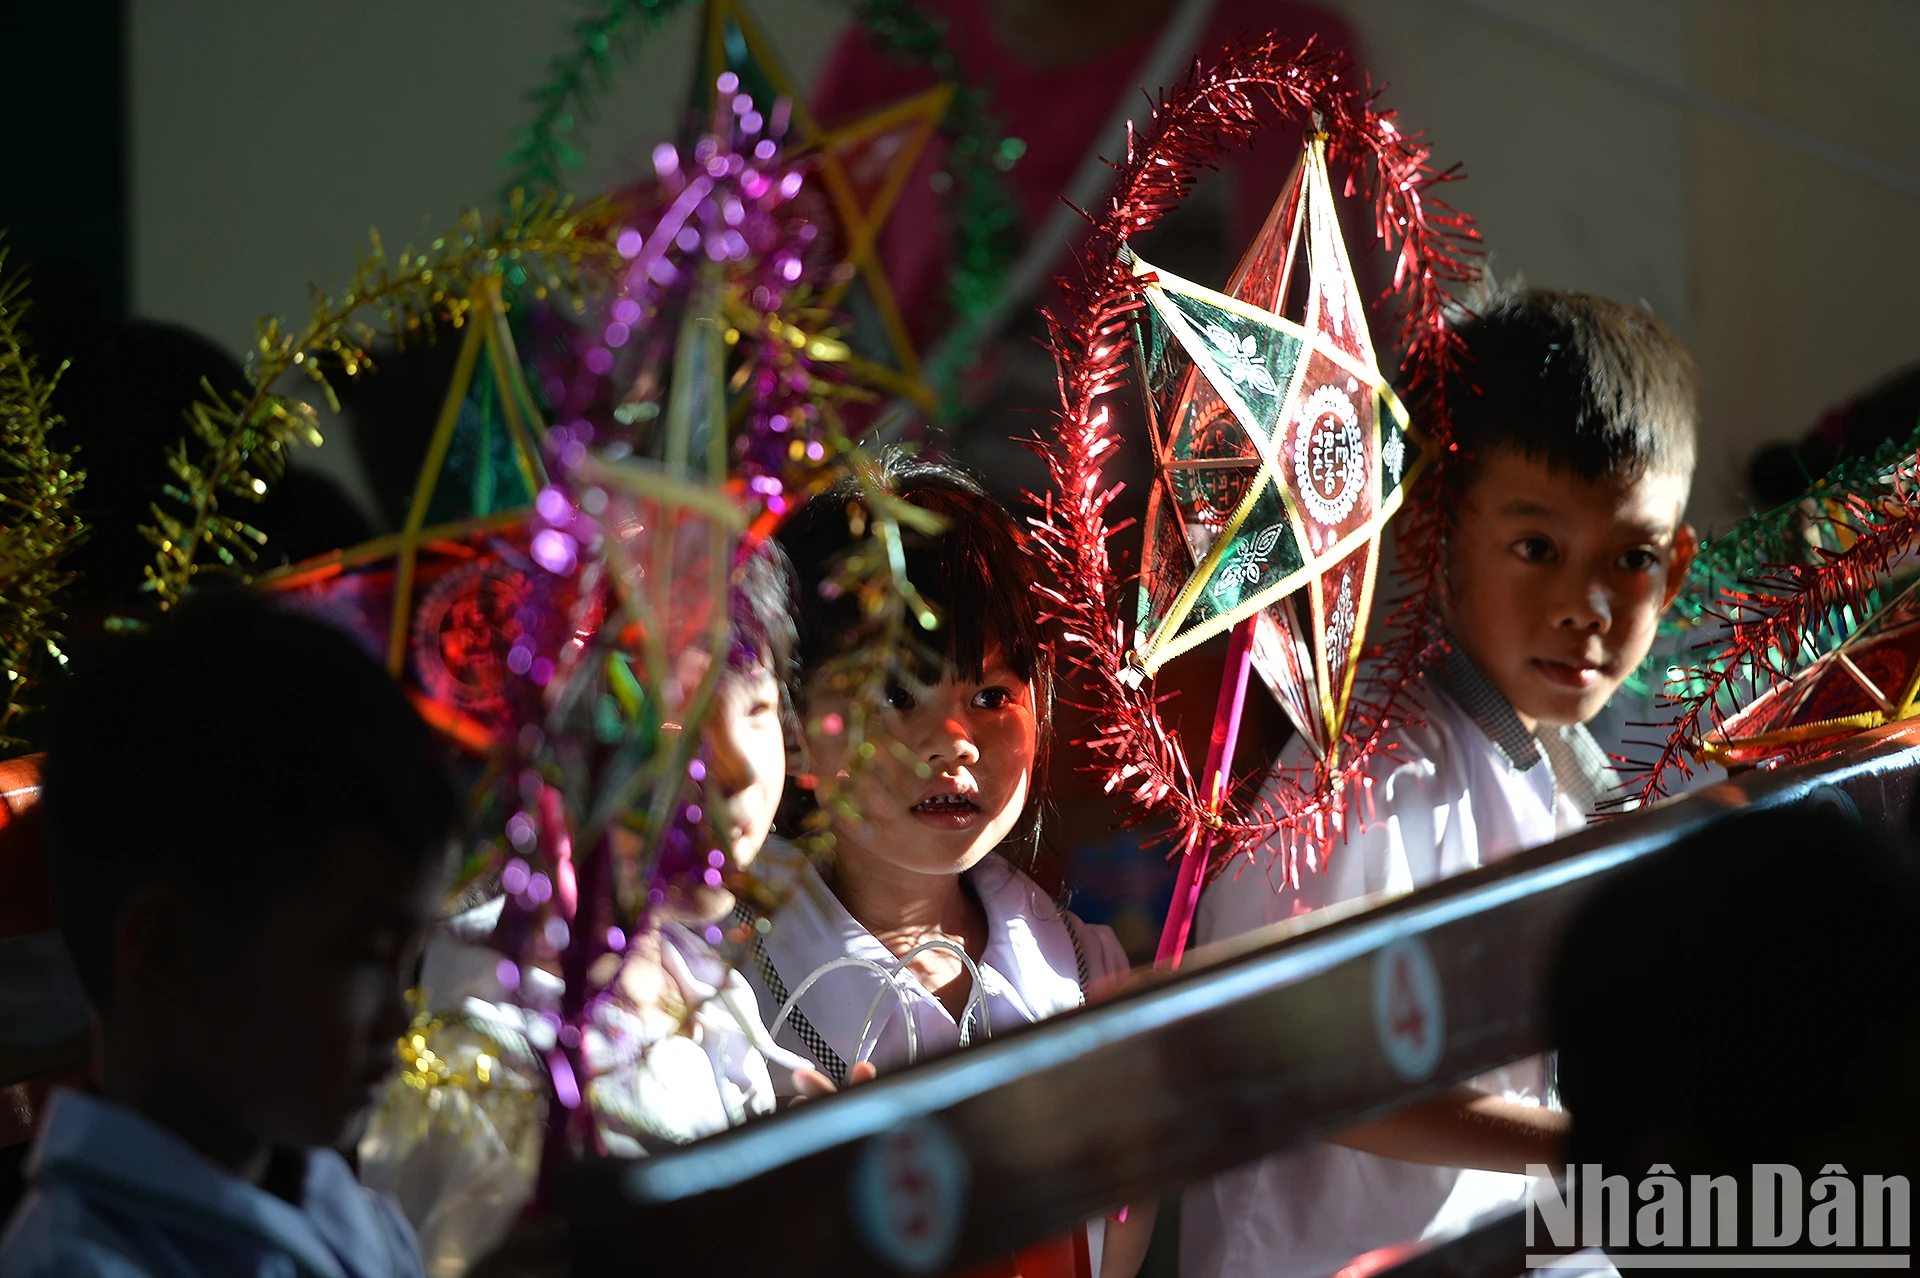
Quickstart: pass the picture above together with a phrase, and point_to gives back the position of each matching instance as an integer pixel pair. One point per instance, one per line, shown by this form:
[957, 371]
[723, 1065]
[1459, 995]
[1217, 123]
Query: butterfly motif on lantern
[1240, 361]
[1281, 453]
[1243, 568]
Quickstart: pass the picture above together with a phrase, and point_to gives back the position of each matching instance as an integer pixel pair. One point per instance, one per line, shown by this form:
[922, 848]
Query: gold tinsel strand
[242, 444]
[38, 525]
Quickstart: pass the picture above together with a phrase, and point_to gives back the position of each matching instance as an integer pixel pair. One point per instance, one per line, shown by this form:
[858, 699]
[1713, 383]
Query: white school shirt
[1464, 787]
[716, 1075]
[674, 1089]
[115, 1195]
[1039, 961]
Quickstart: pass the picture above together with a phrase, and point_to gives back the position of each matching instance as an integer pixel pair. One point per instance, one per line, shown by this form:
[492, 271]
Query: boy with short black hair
[1576, 420]
[249, 831]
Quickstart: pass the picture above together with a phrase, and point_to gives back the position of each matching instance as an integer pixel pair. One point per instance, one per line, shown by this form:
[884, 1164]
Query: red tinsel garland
[1431, 243]
[1773, 622]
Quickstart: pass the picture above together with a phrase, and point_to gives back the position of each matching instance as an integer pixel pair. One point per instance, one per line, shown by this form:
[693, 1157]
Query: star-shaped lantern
[863, 166]
[1871, 679]
[1281, 454]
[440, 600]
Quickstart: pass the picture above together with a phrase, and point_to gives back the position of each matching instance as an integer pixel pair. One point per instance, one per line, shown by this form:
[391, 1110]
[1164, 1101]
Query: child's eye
[1640, 559]
[898, 698]
[1535, 550]
[995, 698]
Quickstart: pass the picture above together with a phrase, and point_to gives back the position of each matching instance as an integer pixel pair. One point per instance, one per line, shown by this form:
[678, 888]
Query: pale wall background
[267, 139]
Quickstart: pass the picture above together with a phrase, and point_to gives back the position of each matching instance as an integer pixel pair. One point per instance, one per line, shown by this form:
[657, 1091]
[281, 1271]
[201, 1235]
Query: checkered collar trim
[1461, 680]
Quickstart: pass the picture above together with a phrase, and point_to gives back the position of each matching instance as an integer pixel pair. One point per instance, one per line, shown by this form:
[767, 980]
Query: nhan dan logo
[1778, 1217]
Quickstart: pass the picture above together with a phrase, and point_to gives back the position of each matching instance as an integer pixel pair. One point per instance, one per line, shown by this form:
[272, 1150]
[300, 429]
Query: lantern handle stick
[1226, 734]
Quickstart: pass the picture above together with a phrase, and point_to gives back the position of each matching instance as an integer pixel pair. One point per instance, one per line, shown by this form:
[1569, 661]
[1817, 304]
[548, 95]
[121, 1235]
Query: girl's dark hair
[763, 620]
[975, 575]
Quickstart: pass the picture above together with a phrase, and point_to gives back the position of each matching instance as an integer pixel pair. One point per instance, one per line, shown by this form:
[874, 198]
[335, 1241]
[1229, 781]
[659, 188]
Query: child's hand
[1128, 1238]
[810, 1084]
[1465, 1128]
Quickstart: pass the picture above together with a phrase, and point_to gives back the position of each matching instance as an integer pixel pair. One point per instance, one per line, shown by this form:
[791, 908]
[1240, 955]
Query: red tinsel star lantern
[1281, 454]
[1872, 678]
[1092, 340]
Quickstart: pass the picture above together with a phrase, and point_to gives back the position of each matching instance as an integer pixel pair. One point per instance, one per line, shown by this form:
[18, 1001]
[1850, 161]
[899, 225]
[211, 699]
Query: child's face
[1556, 584]
[747, 746]
[286, 1025]
[976, 742]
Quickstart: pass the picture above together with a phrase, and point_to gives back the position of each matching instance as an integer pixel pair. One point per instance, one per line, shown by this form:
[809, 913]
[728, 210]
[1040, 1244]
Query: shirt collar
[1474, 693]
[812, 928]
[1575, 761]
[101, 1148]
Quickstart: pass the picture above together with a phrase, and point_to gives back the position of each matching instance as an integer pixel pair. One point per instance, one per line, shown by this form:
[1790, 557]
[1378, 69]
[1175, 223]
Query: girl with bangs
[926, 933]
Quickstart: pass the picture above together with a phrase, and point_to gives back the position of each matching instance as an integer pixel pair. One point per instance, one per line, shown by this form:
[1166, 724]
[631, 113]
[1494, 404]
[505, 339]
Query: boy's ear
[1686, 545]
[152, 939]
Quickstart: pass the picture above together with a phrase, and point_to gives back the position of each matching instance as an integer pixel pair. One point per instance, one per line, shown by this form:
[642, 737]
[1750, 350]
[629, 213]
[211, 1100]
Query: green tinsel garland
[983, 220]
[1787, 534]
[1779, 535]
[565, 101]
[38, 524]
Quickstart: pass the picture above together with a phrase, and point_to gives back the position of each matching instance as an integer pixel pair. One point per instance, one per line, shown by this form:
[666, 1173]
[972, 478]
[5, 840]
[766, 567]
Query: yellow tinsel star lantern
[1281, 455]
[674, 526]
[440, 597]
[863, 165]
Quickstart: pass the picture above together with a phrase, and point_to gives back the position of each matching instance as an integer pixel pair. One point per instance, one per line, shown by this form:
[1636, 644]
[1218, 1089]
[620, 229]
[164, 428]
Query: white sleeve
[1396, 843]
[740, 1000]
[1391, 830]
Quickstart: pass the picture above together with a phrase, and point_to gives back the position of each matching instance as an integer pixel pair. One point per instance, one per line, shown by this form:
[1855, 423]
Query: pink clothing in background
[1057, 111]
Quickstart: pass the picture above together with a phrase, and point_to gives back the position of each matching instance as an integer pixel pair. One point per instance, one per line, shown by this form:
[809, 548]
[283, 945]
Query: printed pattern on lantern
[1340, 623]
[1284, 661]
[1333, 296]
[1240, 359]
[1341, 599]
[1329, 458]
[1170, 551]
[1245, 565]
[1210, 494]
[462, 633]
[1393, 452]
[1341, 314]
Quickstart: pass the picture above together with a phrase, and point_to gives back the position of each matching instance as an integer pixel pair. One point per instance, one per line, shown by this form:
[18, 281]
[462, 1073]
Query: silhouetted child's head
[1745, 996]
[971, 701]
[1575, 419]
[124, 401]
[249, 830]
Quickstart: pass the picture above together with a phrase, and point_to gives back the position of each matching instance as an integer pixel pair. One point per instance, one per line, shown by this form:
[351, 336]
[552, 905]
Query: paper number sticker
[1409, 1013]
[909, 1193]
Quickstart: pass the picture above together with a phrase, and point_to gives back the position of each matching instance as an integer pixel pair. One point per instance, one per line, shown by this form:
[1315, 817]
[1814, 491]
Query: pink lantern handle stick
[1226, 733]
